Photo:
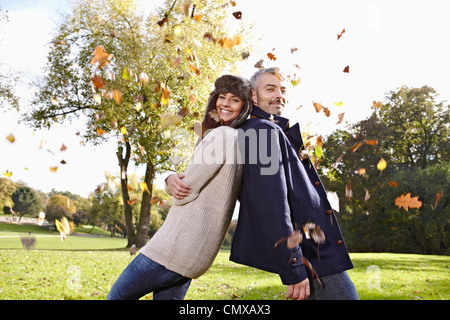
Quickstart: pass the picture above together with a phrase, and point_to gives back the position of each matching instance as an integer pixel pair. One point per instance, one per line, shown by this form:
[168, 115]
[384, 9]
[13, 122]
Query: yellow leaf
[126, 74]
[381, 165]
[7, 174]
[144, 187]
[11, 138]
[117, 95]
[338, 104]
[123, 130]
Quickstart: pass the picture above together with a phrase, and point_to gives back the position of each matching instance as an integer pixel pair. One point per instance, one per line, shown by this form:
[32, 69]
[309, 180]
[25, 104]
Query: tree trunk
[144, 216]
[123, 164]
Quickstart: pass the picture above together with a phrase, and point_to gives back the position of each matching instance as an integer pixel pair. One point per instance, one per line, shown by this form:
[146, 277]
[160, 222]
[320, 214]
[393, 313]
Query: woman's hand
[177, 187]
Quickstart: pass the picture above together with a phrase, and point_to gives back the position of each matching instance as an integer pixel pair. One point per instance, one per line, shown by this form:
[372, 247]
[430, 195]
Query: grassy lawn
[86, 267]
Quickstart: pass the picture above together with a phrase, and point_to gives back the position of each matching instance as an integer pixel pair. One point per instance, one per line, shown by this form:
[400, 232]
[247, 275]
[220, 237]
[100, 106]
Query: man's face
[269, 94]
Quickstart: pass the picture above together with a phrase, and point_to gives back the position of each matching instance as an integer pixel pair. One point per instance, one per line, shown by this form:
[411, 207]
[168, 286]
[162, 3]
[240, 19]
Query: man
[276, 202]
[287, 201]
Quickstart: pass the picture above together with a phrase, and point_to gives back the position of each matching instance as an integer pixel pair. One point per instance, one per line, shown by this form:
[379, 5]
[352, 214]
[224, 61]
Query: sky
[386, 44]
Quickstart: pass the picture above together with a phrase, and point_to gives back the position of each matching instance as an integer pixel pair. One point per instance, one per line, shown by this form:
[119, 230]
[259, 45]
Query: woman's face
[228, 106]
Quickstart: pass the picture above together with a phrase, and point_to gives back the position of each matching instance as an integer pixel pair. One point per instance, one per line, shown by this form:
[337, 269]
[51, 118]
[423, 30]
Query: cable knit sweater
[191, 236]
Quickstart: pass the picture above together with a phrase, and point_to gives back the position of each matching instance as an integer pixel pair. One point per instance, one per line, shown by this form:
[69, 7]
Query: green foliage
[25, 201]
[411, 135]
[59, 206]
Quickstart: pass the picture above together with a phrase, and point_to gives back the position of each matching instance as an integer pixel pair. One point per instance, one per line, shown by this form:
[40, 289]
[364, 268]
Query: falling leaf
[168, 119]
[64, 227]
[295, 81]
[392, 183]
[361, 171]
[407, 202]
[123, 129]
[155, 200]
[98, 81]
[215, 115]
[162, 21]
[318, 151]
[271, 56]
[165, 96]
[98, 98]
[7, 174]
[53, 169]
[63, 148]
[101, 57]
[10, 138]
[357, 145]
[347, 69]
[341, 117]
[144, 187]
[339, 104]
[340, 35]
[376, 104]
[226, 43]
[125, 74]
[381, 165]
[326, 111]
[100, 131]
[195, 69]
[117, 95]
[237, 15]
[132, 201]
[318, 106]
[348, 191]
[237, 40]
[54, 101]
[259, 64]
[439, 195]
[371, 142]
[143, 78]
[63, 161]
[198, 17]
[293, 50]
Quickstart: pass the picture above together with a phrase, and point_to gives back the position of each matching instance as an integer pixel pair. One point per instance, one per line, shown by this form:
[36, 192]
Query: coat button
[317, 183]
[329, 212]
[294, 260]
[339, 242]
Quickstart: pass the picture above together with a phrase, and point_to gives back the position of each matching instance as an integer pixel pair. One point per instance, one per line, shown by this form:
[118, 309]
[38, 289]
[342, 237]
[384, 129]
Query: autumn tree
[59, 206]
[401, 148]
[25, 201]
[143, 80]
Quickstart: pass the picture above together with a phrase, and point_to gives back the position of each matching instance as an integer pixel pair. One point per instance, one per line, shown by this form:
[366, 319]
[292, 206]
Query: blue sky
[386, 44]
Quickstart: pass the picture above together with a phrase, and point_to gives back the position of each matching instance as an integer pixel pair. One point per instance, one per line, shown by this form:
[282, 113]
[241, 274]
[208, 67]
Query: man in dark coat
[286, 224]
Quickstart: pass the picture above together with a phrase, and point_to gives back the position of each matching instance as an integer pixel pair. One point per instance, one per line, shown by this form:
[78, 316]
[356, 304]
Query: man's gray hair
[275, 70]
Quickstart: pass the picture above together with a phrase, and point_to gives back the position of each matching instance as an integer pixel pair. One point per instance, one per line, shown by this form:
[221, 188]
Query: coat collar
[292, 133]
[283, 123]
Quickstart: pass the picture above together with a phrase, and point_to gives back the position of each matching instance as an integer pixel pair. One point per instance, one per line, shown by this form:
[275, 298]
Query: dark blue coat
[271, 204]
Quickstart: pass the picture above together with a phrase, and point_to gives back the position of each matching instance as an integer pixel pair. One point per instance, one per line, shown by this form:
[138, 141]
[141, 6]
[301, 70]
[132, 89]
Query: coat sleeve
[208, 157]
[269, 201]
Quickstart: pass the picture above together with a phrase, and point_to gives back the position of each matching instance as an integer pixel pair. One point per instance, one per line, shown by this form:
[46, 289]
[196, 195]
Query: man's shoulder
[259, 123]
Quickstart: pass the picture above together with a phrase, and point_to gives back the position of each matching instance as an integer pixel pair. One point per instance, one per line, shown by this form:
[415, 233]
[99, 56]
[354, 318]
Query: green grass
[86, 268]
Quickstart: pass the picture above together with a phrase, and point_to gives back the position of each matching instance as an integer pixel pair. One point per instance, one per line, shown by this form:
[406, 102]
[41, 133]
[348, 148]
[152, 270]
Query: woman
[190, 238]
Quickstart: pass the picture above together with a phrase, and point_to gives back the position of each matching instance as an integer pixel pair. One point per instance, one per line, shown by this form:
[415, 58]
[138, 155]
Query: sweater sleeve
[216, 149]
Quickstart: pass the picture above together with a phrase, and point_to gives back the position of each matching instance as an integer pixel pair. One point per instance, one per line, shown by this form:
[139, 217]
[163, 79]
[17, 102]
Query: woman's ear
[254, 98]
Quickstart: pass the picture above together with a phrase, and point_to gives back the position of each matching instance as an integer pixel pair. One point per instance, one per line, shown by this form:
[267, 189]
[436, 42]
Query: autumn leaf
[63, 148]
[371, 142]
[125, 74]
[132, 201]
[237, 15]
[101, 57]
[198, 17]
[144, 187]
[53, 169]
[64, 227]
[341, 117]
[361, 171]
[165, 95]
[339, 104]
[392, 183]
[318, 106]
[348, 191]
[100, 131]
[117, 95]
[381, 165]
[10, 138]
[407, 202]
[271, 56]
[98, 82]
[226, 43]
[7, 174]
[376, 104]
[340, 35]
[195, 69]
[439, 195]
[259, 64]
[357, 145]
[123, 129]
[326, 111]
[347, 69]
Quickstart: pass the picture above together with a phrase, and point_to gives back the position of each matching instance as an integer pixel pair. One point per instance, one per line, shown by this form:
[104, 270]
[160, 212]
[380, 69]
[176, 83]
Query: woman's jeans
[337, 286]
[142, 276]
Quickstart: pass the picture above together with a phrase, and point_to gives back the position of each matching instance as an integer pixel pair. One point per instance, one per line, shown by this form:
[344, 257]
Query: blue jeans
[334, 287]
[142, 276]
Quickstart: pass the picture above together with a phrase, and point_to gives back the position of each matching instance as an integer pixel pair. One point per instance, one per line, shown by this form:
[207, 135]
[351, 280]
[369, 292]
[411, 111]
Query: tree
[25, 201]
[141, 80]
[410, 133]
[59, 206]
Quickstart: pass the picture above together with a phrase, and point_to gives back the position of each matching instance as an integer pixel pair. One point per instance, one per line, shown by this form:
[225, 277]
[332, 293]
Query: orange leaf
[271, 56]
[100, 131]
[347, 69]
[98, 82]
[439, 195]
[371, 142]
[198, 17]
[376, 104]
[132, 201]
[357, 145]
[348, 191]
[393, 183]
[117, 95]
[407, 202]
[195, 69]
[101, 57]
[341, 117]
[11, 138]
[340, 35]
[318, 106]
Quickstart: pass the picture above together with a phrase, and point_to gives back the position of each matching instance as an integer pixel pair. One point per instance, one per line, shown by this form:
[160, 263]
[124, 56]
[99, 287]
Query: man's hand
[299, 291]
[177, 187]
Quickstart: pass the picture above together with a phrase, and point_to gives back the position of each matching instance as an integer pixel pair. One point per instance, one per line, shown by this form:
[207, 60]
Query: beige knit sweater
[191, 236]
